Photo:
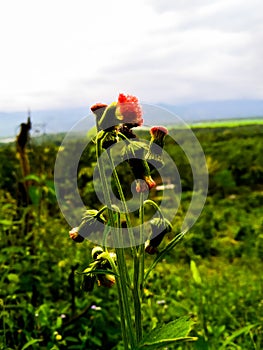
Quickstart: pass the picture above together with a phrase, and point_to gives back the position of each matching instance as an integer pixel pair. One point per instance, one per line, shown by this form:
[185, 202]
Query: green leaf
[195, 273]
[13, 277]
[32, 177]
[172, 332]
[6, 222]
[98, 272]
[237, 333]
[31, 342]
[35, 194]
[72, 339]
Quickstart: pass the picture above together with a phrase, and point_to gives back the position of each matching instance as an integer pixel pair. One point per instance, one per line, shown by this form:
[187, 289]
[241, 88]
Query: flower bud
[98, 109]
[106, 280]
[157, 135]
[109, 118]
[75, 236]
[88, 280]
[141, 170]
[154, 154]
[91, 222]
[96, 251]
[159, 228]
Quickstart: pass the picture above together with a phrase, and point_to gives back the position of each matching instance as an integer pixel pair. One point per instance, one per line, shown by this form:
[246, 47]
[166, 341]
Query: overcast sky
[57, 54]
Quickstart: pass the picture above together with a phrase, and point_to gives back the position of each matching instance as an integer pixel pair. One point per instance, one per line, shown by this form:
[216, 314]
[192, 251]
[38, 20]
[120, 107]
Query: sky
[63, 54]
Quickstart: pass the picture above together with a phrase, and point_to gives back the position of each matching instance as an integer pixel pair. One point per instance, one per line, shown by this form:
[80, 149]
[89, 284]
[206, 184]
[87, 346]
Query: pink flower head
[97, 106]
[145, 185]
[130, 109]
[158, 131]
[157, 135]
[98, 109]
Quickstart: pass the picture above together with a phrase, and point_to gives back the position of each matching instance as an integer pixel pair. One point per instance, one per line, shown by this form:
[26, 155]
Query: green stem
[136, 298]
[156, 206]
[138, 276]
[121, 304]
[136, 259]
[126, 320]
[141, 248]
[125, 208]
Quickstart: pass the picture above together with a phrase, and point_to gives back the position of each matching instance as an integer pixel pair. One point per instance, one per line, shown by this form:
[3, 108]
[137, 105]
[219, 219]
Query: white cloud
[72, 53]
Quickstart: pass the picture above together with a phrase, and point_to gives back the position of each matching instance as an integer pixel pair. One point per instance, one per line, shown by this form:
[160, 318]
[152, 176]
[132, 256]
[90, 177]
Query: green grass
[227, 123]
[222, 291]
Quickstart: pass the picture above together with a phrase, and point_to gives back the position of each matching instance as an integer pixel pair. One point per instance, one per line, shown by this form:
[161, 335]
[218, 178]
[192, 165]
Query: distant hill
[213, 110]
[55, 121]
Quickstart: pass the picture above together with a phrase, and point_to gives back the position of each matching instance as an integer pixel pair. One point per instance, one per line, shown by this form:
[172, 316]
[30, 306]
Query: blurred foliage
[214, 275]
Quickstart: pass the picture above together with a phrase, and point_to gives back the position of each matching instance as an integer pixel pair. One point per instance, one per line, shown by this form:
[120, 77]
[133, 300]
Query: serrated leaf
[172, 332]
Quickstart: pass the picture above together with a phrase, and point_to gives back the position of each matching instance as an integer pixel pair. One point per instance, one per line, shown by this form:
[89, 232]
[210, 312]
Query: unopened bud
[75, 236]
[96, 251]
[106, 280]
[159, 228]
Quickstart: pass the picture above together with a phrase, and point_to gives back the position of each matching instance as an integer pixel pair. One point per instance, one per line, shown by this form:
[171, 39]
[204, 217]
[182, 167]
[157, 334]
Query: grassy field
[227, 123]
[214, 275]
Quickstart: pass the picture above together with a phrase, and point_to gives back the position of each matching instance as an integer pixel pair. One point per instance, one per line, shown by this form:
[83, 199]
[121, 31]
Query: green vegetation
[214, 274]
[228, 123]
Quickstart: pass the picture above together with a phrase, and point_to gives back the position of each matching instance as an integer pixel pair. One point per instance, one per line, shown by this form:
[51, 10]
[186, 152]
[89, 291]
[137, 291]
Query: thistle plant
[127, 232]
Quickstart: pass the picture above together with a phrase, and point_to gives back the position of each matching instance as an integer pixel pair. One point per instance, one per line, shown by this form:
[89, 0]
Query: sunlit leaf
[173, 332]
[195, 273]
[31, 342]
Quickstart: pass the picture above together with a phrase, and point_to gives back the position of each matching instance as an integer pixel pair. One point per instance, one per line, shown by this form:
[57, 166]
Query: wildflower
[130, 111]
[101, 262]
[154, 154]
[58, 337]
[98, 109]
[96, 251]
[158, 133]
[95, 307]
[106, 280]
[109, 119]
[141, 170]
[91, 222]
[159, 228]
[145, 185]
[75, 236]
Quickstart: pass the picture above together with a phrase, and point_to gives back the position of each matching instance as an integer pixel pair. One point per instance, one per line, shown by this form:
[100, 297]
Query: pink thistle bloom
[130, 109]
[154, 155]
[158, 133]
[97, 106]
[98, 109]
